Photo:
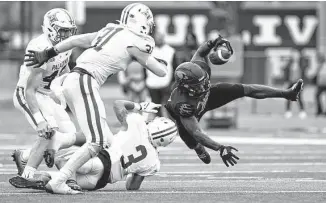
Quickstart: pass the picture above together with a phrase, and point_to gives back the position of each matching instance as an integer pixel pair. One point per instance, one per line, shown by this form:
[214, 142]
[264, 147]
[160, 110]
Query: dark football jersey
[180, 104]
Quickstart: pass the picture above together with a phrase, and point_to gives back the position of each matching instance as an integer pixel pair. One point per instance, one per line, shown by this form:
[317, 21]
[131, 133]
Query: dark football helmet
[192, 79]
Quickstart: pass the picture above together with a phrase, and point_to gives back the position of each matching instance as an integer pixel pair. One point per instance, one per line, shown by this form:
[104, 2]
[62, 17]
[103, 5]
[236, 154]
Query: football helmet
[58, 25]
[192, 79]
[162, 131]
[138, 18]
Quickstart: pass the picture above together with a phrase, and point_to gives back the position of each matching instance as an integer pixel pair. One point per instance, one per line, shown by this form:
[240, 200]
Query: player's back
[132, 152]
[108, 54]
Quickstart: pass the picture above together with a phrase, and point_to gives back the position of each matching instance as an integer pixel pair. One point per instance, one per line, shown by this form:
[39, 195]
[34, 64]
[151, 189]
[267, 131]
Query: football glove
[228, 157]
[149, 107]
[37, 58]
[220, 41]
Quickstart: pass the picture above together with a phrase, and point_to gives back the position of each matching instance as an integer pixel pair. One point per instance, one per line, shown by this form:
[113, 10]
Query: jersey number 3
[132, 159]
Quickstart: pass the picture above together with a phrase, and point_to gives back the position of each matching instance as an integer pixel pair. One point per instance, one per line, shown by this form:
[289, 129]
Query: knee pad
[93, 148]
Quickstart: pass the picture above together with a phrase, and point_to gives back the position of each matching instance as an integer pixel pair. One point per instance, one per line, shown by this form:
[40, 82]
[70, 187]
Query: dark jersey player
[193, 96]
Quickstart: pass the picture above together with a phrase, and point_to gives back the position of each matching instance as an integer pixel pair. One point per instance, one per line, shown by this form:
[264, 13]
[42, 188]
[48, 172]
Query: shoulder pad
[184, 110]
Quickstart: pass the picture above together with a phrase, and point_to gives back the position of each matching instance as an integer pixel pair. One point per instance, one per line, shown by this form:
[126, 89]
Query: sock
[25, 154]
[62, 140]
[29, 172]
[36, 155]
[80, 157]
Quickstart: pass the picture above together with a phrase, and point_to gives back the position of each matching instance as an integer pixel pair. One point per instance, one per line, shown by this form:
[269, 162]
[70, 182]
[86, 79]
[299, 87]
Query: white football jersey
[132, 152]
[52, 68]
[108, 54]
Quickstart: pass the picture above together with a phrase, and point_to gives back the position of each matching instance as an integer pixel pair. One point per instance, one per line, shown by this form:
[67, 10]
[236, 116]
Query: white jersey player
[110, 50]
[33, 96]
[132, 155]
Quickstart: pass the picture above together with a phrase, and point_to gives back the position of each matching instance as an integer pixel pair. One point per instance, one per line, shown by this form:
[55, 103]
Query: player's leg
[47, 107]
[262, 92]
[223, 93]
[20, 156]
[90, 173]
[90, 113]
[193, 144]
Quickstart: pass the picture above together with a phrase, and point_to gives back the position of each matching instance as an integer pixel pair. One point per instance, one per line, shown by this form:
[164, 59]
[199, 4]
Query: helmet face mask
[192, 79]
[197, 90]
[58, 25]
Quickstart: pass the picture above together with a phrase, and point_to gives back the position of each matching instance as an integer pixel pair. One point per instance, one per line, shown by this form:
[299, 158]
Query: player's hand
[36, 58]
[227, 156]
[149, 107]
[44, 130]
[219, 41]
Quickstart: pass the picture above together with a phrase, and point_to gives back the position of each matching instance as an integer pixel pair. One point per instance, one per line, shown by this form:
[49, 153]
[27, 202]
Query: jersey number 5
[104, 36]
[132, 159]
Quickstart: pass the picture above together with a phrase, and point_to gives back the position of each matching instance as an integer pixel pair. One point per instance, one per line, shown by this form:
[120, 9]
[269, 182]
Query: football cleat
[20, 163]
[20, 182]
[60, 188]
[295, 90]
[49, 157]
[203, 154]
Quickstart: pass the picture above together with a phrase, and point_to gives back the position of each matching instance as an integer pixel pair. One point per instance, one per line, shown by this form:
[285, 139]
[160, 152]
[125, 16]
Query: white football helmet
[162, 131]
[138, 18]
[58, 25]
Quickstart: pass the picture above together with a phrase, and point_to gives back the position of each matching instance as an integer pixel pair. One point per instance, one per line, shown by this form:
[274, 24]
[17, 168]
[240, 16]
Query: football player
[132, 155]
[33, 96]
[110, 50]
[193, 96]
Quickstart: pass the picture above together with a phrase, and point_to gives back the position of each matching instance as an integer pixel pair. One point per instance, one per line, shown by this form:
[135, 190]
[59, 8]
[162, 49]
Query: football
[220, 56]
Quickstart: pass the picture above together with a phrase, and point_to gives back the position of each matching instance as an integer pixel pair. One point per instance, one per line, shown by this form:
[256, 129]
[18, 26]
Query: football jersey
[52, 68]
[132, 152]
[108, 54]
[182, 105]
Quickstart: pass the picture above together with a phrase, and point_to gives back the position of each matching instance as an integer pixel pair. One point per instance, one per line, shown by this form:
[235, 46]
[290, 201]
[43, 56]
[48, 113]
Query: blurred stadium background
[263, 34]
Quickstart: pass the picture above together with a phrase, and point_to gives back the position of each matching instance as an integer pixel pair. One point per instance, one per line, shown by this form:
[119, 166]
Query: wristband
[38, 117]
[137, 106]
[52, 52]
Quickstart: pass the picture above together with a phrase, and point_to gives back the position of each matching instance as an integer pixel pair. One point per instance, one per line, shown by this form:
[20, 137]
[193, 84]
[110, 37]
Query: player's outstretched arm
[206, 47]
[192, 126]
[81, 41]
[123, 107]
[134, 181]
[38, 58]
[144, 57]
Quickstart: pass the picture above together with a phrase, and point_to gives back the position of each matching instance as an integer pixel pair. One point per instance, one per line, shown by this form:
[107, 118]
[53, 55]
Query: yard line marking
[294, 157]
[243, 164]
[245, 140]
[266, 140]
[231, 172]
[13, 166]
[175, 192]
[182, 173]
